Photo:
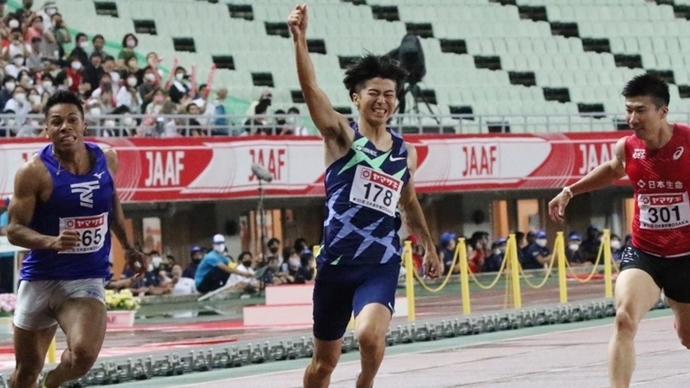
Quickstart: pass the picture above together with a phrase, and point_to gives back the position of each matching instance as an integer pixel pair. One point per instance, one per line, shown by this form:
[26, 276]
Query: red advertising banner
[193, 169]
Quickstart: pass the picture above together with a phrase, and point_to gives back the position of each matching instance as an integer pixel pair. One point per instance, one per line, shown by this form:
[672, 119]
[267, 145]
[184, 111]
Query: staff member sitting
[215, 268]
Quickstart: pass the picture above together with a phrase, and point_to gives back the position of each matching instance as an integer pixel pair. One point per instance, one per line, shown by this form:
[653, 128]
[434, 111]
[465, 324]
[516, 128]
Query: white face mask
[220, 248]
[10, 86]
[35, 99]
[290, 119]
[27, 81]
[615, 244]
[156, 261]
[131, 81]
[150, 77]
[497, 251]
[13, 24]
[95, 111]
[131, 43]
[76, 65]
[47, 85]
[50, 11]
[149, 267]
[294, 262]
[541, 242]
[179, 76]
[18, 61]
[128, 121]
[574, 246]
[21, 97]
[109, 123]
[84, 44]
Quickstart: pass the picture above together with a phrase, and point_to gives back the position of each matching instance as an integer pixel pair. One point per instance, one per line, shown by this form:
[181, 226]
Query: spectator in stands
[273, 245]
[180, 87]
[494, 261]
[243, 283]
[216, 109]
[98, 42]
[62, 81]
[16, 45]
[477, 246]
[75, 73]
[148, 89]
[8, 85]
[523, 241]
[79, 52]
[35, 101]
[117, 284]
[151, 283]
[192, 126]
[197, 253]
[128, 95]
[257, 124]
[35, 29]
[24, 12]
[109, 68]
[13, 68]
[417, 253]
[48, 9]
[572, 252]
[105, 94]
[20, 107]
[295, 127]
[215, 268]
[590, 245]
[447, 243]
[296, 273]
[538, 253]
[129, 42]
[4, 217]
[34, 62]
[93, 71]
[61, 34]
[616, 248]
[181, 285]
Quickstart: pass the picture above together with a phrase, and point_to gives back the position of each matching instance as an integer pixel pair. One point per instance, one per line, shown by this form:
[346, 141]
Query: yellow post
[515, 271]
[409, 280]
[608, 281]
[464, 276]
[562, 282]
[51, 351]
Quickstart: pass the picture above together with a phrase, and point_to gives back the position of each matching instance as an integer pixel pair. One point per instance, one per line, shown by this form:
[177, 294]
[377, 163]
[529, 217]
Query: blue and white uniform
[83, 203]
[359, 260]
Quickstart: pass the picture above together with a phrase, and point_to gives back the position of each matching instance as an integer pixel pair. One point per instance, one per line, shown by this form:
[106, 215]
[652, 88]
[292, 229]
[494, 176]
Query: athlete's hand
[557, 206]
[68, 239]
[136, 261]
[433, 267]
[297, 21]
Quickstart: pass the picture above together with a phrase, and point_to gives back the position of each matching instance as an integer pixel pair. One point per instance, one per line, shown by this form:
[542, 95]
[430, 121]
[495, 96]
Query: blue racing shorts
[341, 289]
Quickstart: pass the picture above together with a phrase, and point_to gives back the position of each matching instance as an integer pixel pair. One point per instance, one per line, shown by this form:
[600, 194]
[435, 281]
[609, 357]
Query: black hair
[293, 109]
[108, 58]
[7, 79]
[60, 78]
[79, 35]
[243, 254]
[371, 66]
[273, 240]
[64, 97]
[97, 36]
[648, 85]
[124, 39]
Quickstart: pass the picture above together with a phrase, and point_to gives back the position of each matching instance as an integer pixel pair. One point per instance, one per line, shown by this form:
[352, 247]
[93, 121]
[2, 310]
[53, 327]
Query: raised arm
[602, 176]
[414, 218]
[330, 123]
[29, 182]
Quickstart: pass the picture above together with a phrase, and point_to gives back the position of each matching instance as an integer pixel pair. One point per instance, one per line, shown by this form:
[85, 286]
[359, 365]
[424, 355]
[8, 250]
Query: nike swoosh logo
[396, 159]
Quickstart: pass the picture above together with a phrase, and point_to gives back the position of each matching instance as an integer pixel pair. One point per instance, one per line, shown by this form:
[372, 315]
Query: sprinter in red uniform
[657, 161]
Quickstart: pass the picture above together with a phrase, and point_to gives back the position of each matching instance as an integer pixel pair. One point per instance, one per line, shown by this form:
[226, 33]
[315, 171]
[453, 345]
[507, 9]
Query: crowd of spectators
[534, 250]
[122, 96]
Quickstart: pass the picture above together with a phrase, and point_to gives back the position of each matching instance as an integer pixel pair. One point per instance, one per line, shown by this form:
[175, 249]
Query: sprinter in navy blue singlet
[369, 188]
[64, 208]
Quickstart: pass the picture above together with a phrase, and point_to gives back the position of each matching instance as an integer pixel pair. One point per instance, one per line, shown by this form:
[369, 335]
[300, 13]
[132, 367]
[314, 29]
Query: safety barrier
[514, 273]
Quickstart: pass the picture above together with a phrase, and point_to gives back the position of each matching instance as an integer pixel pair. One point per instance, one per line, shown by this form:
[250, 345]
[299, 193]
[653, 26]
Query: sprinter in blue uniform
[369, 180]
[63, 209]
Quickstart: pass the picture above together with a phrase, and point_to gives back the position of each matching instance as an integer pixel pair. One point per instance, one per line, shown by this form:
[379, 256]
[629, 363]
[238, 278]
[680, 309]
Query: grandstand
[490, 58]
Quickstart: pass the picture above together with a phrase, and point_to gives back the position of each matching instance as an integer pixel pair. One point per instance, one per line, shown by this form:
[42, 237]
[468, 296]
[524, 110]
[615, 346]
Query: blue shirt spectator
[537, 253]
[197, 254]
[210, 261]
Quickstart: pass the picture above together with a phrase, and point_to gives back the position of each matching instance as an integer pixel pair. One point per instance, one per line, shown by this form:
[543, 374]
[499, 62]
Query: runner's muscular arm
[605, 174]
[118, 224]
[27, 189]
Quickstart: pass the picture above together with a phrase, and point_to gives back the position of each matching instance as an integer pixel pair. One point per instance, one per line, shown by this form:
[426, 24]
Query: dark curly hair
[371, 66]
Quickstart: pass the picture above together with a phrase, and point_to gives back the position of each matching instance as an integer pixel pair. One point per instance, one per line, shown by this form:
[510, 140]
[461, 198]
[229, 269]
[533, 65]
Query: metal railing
[239, 125]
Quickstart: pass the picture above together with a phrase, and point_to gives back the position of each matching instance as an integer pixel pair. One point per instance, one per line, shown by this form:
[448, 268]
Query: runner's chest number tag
[376, 190]
[664, 211]
[92, 231]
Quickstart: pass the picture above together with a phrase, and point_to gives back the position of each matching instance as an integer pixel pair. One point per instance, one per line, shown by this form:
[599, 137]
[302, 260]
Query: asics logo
[678, 153]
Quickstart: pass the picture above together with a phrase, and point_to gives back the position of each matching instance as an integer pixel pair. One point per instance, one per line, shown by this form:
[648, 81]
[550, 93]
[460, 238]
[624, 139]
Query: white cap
[219, 239]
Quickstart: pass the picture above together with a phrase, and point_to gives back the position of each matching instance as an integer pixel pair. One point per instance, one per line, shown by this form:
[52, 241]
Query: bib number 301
[376, 190]
[92, 232]
[664, 211]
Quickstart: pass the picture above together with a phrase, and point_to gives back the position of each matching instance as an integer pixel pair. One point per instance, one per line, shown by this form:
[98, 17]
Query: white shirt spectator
[12, 50]
[237, 279]
[130, 100]
[13, 70]
[184, 286]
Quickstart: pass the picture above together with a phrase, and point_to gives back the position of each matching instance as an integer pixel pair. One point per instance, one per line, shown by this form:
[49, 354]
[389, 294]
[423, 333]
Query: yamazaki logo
[592, 155]
[272, 159]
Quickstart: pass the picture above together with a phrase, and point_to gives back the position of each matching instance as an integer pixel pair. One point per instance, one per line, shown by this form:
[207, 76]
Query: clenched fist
[297, 21]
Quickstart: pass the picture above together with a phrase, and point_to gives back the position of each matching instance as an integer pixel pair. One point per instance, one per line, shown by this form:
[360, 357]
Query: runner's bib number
[376, 190]
[92, 231]
[664, 211]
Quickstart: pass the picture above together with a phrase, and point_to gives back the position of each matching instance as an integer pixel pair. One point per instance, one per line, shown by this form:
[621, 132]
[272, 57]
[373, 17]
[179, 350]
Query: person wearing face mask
[93, 72]
[215, 268]
[196, 253]
[13, 68]
[129, 42]
[16, 45]
[79, 52]
[296, 273]
[216, 109]
[590, 245]
[572, 252]
[182, 285]
[494, 261]
[242, 283]
[19, 105]
[148, 88]
[74, 72]
[98, 42]
[291, 120]
[8, 85]
[273, 246]
[128, 95]
[180, 86]
[538, 253]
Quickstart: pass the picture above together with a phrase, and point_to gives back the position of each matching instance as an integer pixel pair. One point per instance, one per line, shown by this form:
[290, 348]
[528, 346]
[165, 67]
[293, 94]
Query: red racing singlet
[661, 180]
